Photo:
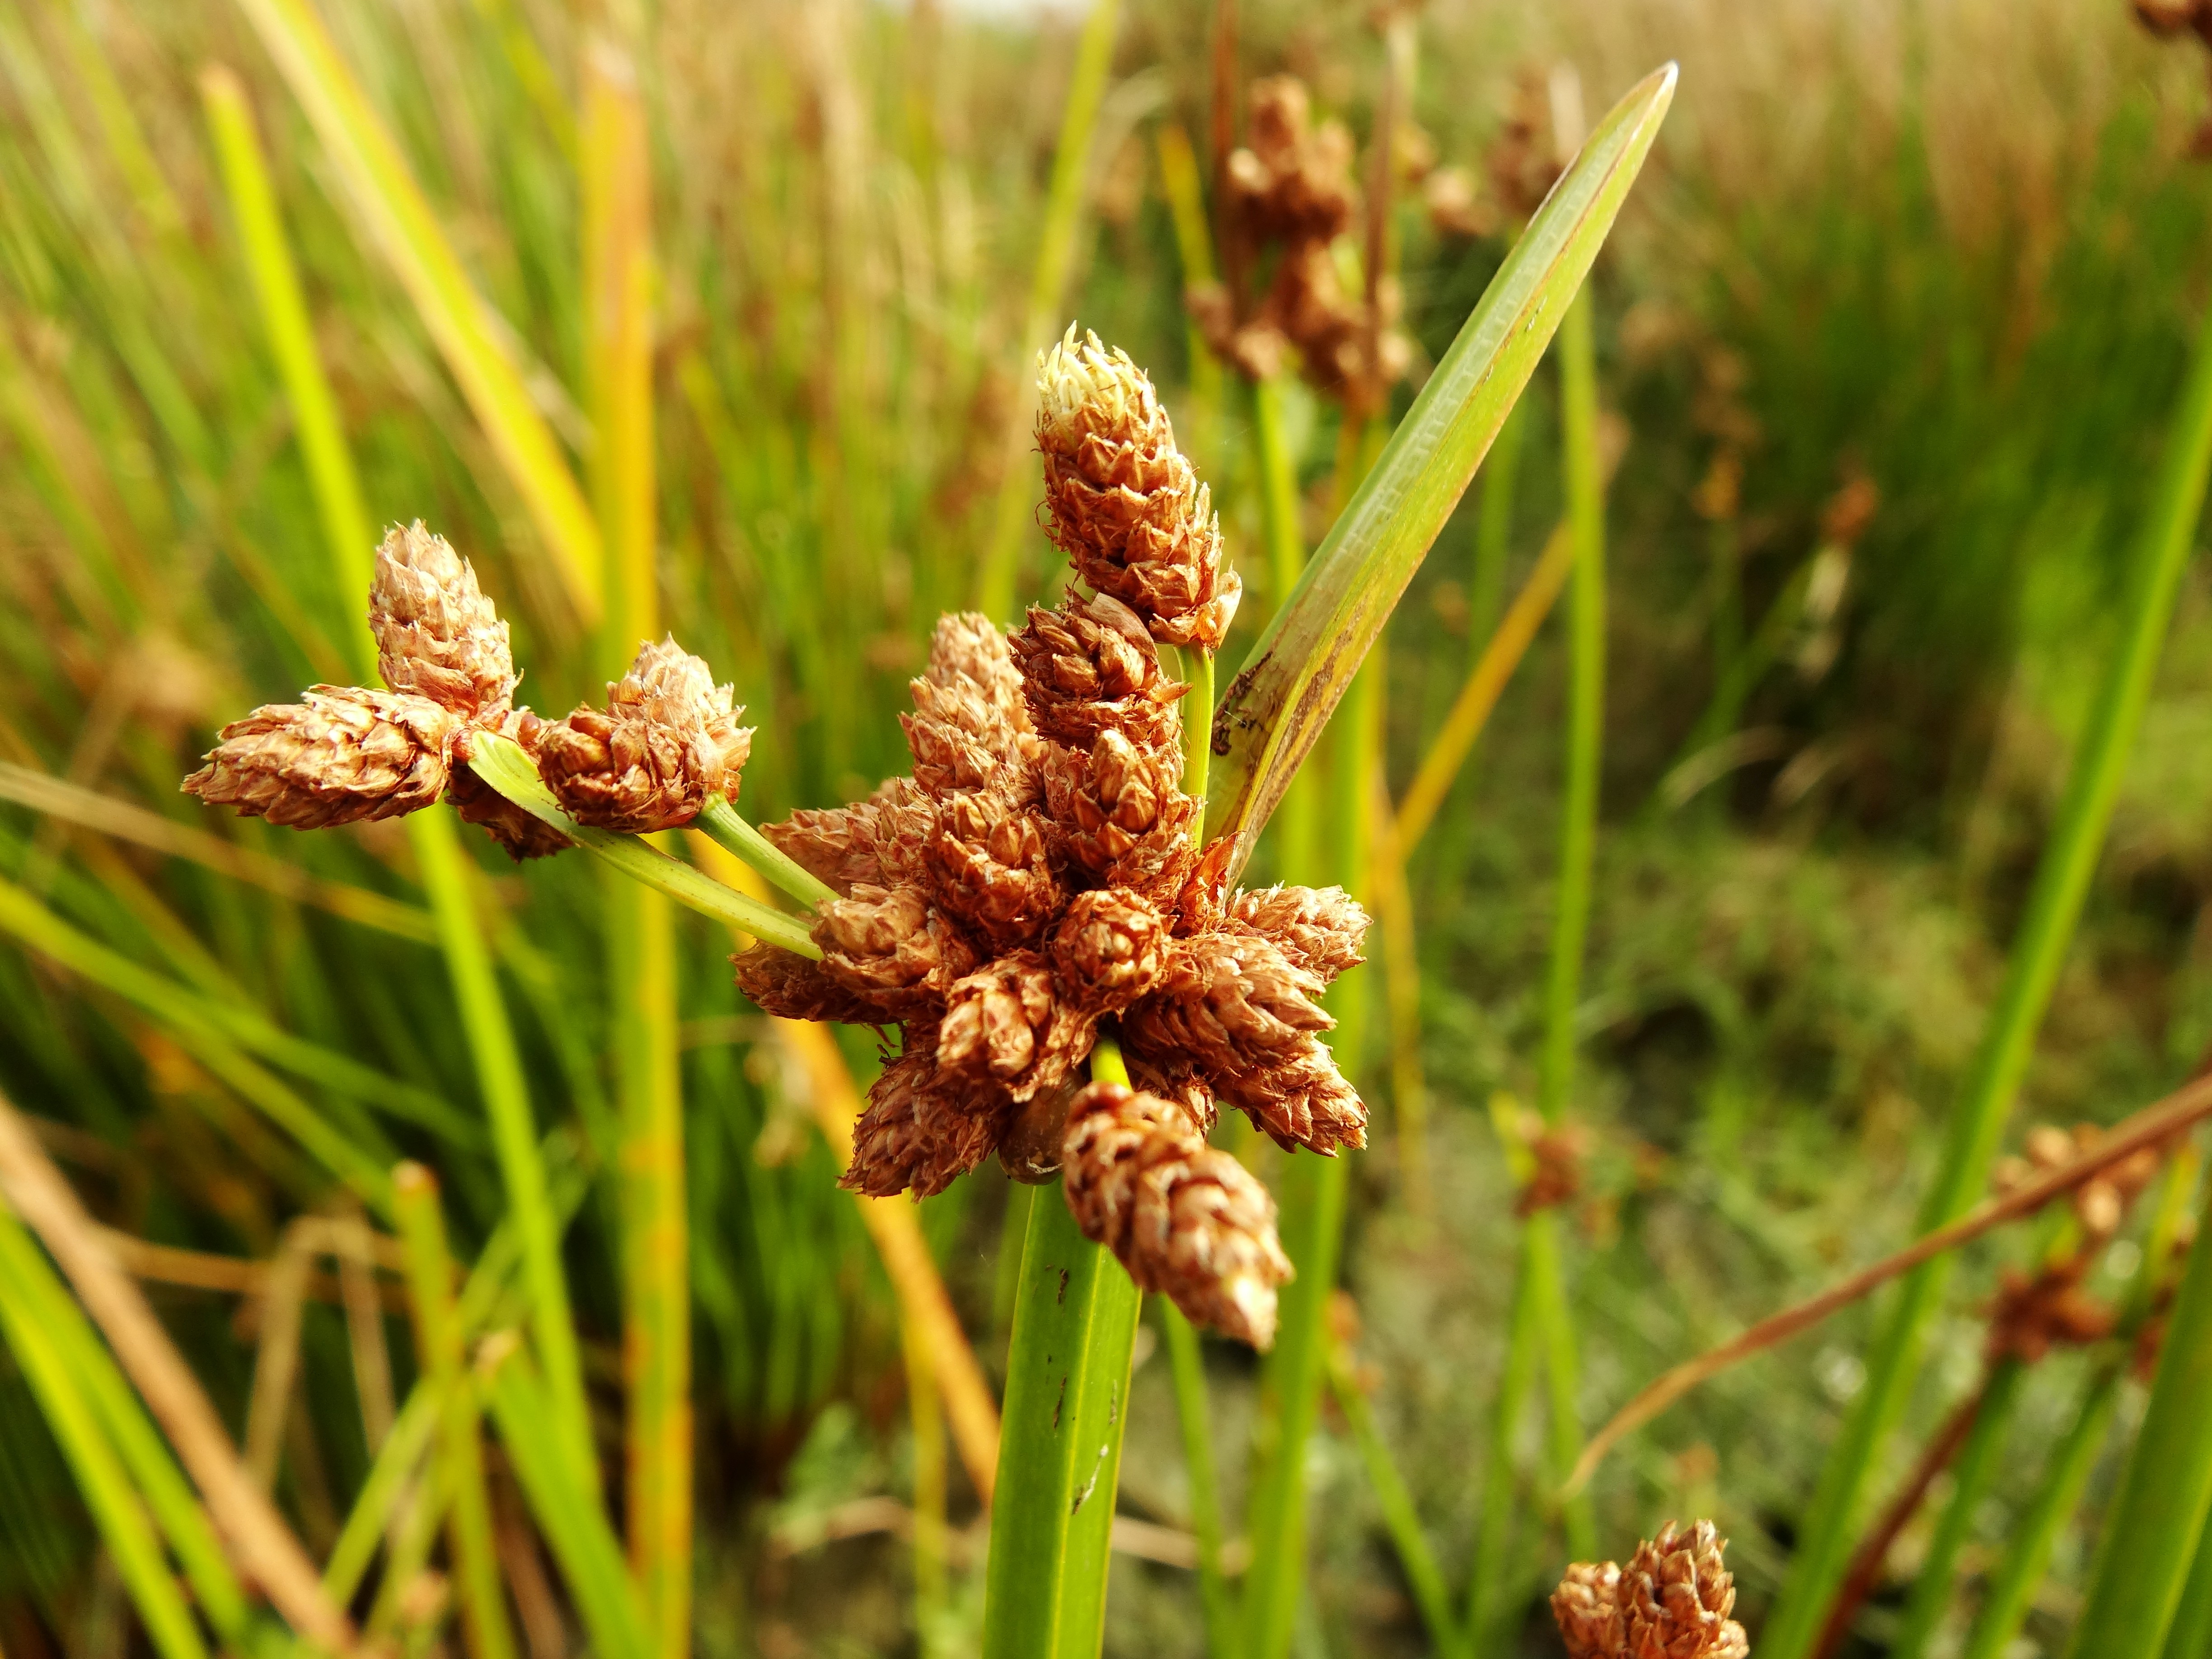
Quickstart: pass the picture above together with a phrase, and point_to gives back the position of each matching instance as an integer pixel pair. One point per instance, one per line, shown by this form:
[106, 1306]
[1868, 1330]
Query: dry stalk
[263, 1547]
[2154, 1124]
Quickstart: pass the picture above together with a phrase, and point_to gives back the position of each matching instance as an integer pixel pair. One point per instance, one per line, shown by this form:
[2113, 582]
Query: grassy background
[1950, 247]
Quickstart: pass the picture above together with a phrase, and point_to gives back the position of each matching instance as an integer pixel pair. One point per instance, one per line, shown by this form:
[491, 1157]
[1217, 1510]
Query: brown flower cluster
[1671, 1602]
[1290, 190]
[1039, 875]
[668, 742]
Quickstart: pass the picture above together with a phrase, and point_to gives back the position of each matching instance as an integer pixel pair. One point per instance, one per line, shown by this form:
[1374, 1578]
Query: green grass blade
[400, 220]
[1971, 1477]
[574, 1526]
[506, 767]
[439, 1344]
[2061, 883]
[1493, 1544]
[1423, 1576]
[397, 1462]
[1055, 260]
[2150, 1536]
[107, 1486]
[2190, 1636]
[2035, 1533]
[1298, 669]
[1189, 1364]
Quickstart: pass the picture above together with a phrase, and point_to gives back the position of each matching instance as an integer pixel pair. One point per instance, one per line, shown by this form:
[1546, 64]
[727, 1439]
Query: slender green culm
[999, 578]
[784, 873]
[2190, 1636]
[1059, 1448]
[2151, 1531]
[2061, 883]
[2035, 1531]
[1494, 1541]
[1187, 1363]
[459, 1454]
[1400, 1517]
[1970, 1476]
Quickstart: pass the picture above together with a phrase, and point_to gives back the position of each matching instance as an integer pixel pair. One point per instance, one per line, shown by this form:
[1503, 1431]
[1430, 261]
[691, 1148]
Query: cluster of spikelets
[667, 743]
[1671, 1602]
[1290, 189]
[1040, 875]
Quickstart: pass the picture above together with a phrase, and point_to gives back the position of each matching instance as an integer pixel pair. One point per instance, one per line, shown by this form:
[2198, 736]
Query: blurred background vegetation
[1887, 338]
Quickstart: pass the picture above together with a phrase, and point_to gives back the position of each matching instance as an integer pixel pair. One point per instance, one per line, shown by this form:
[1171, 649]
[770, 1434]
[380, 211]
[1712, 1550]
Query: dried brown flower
[835, 843]
[1091, 667]
[791, 987]
[1110, 949]
[1302, 1101]
[1184, 1219]
[2035, 1313]
[1671, 1602]
[917, 1134]
[1122, 812]
[343, 755]
[1125, 504]
[893, 946]
[1008, 1023]
[1230, 1003]
[667, 743]
[987, 863]
[1321, 930]
[437, 635]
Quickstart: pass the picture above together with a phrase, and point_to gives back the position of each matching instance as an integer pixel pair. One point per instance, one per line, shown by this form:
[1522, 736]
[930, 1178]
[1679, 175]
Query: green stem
[1971, 1477]
[1493, 1559]
[1398, 1515]
[1493, 534]
[730, 831]
[2035, 1534]
[1056, 243]
[438, 1344]
[1189, 1364]
[2151, 1531]
[505, 766]
[1059, 1448]
[2190, 1636]
[2062, 882]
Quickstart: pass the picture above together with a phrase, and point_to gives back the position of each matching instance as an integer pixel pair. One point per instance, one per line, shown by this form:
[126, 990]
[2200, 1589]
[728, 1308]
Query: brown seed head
[921, 1132]
[1126, 505]
[1321, 930]
[1587, 1607]
[788, 986]
[1301, 1101]
[893, 946]
[520, 834]
[1183, 1219]
[1293, 182]
[1676, 1595]
[437, 635]
[1090, 666]
[987, 865]
[667, 743]
[835, 844]
[342, 756]
[966, 649]
[1122, 811]
[1231, 1002]
[1110, 950]
[1008, 1023]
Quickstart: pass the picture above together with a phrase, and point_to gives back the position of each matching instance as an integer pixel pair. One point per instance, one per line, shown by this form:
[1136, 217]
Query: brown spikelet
[520, 834]
[968, 649]
[987, 865]
[667, 743]
[893, 946]
[1292, 182]
[342, 756]
[1184, 1219]
[1302, 1101]
[835, 844]
[1179, 1084]
[917, 1134]
[790, 987]
[1125, 504]
[1230, 1004]
[437, 635]
[1090, 665]
[1321, 930]
[961, 740]
[1122, 811]
[1007, 1023]
[906, 818]
[1675, 1597]
[1110, 949]
[1587, 1607]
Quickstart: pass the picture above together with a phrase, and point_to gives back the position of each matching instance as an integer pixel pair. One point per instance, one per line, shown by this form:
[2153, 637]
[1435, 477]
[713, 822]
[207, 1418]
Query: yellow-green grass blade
[1299, 668]
[444, 867]
[399, 218]
[439, 1351]
[397, 1462]
[101, 1478]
